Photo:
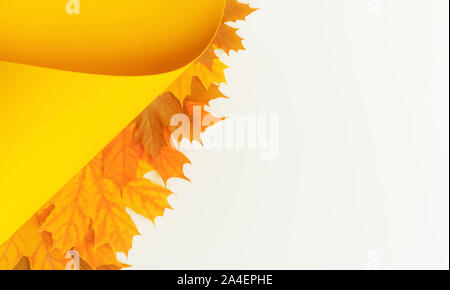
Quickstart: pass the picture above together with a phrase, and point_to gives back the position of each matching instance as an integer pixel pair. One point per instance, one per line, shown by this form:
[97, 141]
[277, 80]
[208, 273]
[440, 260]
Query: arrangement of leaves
[89, 213]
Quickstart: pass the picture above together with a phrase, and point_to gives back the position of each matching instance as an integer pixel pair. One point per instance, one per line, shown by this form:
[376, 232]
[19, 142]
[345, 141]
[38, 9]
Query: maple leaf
[194, 105]
[228, 40]
[13, 249]
[97, 257]
[208, 57]
[44, 256]
[169, 163]
[200, 95]
[69, 221]
[150, 123]
[143, 168]
[121, 157]
[29, 241]
[181, 88]
[235, 11]
[205, 121]
[111, 224]
[146, 198]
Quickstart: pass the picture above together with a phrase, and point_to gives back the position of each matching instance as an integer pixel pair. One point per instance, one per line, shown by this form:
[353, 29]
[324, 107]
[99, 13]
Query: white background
[361, 179]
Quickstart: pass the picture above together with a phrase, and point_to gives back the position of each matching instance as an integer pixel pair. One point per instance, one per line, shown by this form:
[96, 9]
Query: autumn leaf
[228, 40]
[69, 221]
[13, 250]
[29, 241]
[143, 168]
[45, 256]
[111, 224]
[146, 198]
[208, 57]
[121, 157]
[181, 88]
[200, 95]
[97, 257]
[169, 163]
[235, 11]
[150, 123]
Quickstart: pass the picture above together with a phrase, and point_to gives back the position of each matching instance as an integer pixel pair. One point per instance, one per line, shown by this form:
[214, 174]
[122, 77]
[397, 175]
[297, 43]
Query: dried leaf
[181, 88]
[200, 95]
[121, 157]
[228, 40]
[69, 221]
[96, 257]
[150, 123]
[169, 163]
[111, 224]
[235, 11]
[146, 198]
[208, 57]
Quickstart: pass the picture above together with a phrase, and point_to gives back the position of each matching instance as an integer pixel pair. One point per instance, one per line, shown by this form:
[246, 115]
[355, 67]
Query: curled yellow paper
[70, 82]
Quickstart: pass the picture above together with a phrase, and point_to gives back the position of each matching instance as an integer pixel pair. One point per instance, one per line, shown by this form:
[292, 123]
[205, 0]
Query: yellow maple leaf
[200, 95]
[143, 168]
[29, 241]
[44, 256]
[227, 39]
[14, 248]
[69, 221]
[208, 57]
[234, 11]
[111, 224]
[146, 198]
[97, 256]
[181, 88]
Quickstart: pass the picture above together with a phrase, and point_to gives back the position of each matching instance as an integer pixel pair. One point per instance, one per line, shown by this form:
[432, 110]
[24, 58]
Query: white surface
[361, 179]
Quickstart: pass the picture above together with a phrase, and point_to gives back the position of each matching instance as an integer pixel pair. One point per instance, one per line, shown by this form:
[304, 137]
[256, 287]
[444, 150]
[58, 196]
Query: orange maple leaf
[146, 198]
[111, 223]
[69, 221]
[235, 11]
[181, 88]
[169, 163]
[200, 95]
[97, 256]
[208, 57]
[228, 40]
[30, 242]
[121, 157]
